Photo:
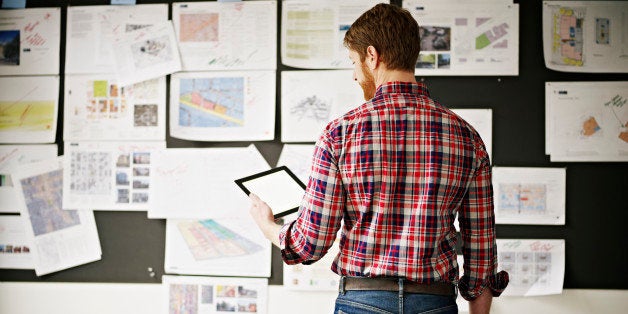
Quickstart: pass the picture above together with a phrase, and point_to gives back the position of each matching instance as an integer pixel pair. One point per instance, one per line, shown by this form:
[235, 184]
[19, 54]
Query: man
[395, 171]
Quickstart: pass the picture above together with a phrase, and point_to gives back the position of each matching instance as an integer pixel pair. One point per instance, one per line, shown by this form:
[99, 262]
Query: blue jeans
[390, 302]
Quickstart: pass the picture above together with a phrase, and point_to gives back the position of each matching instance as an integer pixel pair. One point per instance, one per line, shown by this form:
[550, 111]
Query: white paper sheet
[28, 109]
[61, 238]
[220, 247]
[585, 36]
[529, 196]
[196, 294]
[146, 53]
[10, 157]
[226, 36]
[98, 108]
[223, 106]
[199, 182]
[92, 31]
[586, 121]
[311, 99]
[482, 121]
[312, 32]
[15, 245]
[467, 38]
[535, 267]
[109, 175]
[297, 157]
[30, 40]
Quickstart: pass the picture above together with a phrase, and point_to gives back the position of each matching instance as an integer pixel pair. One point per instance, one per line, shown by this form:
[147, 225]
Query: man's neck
[386, 76]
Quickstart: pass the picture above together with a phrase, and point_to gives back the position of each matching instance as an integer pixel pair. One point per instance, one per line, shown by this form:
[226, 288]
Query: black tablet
[279, 187]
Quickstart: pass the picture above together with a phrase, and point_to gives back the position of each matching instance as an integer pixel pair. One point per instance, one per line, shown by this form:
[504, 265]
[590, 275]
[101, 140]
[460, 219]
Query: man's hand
[263, 217]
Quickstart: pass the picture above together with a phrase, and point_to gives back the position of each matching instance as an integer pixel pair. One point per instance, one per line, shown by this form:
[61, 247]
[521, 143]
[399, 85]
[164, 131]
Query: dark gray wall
[597, 193]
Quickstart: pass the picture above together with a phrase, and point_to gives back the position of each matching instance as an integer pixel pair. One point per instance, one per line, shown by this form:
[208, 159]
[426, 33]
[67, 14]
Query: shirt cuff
[496, 284]
[287, 255]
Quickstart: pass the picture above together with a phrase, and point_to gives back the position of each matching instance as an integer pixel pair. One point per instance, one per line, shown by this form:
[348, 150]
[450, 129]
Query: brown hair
[392, 31]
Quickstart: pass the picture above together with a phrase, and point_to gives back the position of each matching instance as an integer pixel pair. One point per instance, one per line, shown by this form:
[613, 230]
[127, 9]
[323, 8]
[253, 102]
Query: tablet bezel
[240, 183]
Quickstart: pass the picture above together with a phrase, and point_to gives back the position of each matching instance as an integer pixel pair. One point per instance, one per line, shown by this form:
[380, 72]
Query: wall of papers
[135, 126]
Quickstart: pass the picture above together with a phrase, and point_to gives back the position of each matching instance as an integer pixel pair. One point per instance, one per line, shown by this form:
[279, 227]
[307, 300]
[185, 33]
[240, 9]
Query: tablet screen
[278, 187]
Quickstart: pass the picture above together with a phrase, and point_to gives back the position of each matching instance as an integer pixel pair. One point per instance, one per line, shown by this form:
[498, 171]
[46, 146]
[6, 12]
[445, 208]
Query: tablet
[278, 187]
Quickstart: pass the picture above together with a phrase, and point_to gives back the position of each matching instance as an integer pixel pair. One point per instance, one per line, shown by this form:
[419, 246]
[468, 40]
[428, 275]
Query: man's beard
[368, 85]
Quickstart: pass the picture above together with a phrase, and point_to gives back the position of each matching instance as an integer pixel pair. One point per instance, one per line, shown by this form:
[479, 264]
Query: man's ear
[372, 57]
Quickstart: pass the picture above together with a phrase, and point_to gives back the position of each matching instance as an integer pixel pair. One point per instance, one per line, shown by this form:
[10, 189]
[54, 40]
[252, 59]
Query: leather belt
[393, 284]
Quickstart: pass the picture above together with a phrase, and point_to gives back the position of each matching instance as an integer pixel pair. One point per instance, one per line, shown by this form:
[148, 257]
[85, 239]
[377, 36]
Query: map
[212, 102]
[43, 196]
[199, 27]
[208, 239]
[527, 197]
[567, 34]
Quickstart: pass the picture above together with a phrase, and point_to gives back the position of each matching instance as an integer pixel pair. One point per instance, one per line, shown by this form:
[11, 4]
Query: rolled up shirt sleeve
[477, 227]
[309, 237]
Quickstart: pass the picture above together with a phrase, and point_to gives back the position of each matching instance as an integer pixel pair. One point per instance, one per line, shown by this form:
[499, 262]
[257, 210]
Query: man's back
[405, 163]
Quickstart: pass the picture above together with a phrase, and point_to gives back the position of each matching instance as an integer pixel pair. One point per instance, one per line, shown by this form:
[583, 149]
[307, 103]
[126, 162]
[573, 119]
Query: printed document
[312, 32]
[482, 121]
[586, 121]
[93, 30]
[98, 108]
[61, 238]
[226, 35]
[223, 106]
[146, 53]
[28, 109]
[12, 156]
[30, 41]
[297, 157]
[312, 99]
[529, 196]
[218, 247]
[535, 267]
[198, 294]
[585, 36]
[109, 175]
[467, 38]
[199, 183]
[15, 245]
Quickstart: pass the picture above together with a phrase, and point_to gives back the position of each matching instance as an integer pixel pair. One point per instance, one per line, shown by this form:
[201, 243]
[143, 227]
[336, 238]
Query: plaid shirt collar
[397, 87]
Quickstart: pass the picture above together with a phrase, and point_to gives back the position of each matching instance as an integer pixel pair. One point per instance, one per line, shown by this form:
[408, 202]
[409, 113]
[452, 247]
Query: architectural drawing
[208, 239]
[223, 105]
[587, 121]
[526, 195]
[97, 107]
[212, 102]
[205, 33]
[522, 197]
[466, 38]
[585, 36]
[567, 31]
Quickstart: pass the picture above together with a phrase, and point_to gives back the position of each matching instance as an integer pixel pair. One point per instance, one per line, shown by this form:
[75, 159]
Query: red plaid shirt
[397, 170]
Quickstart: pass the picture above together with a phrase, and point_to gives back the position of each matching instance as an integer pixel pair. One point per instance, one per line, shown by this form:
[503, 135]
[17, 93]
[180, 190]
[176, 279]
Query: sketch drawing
[312, 108]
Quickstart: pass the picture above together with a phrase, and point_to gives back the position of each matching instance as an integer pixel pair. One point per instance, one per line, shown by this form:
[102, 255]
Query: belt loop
[400, 287]
[341, 285]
